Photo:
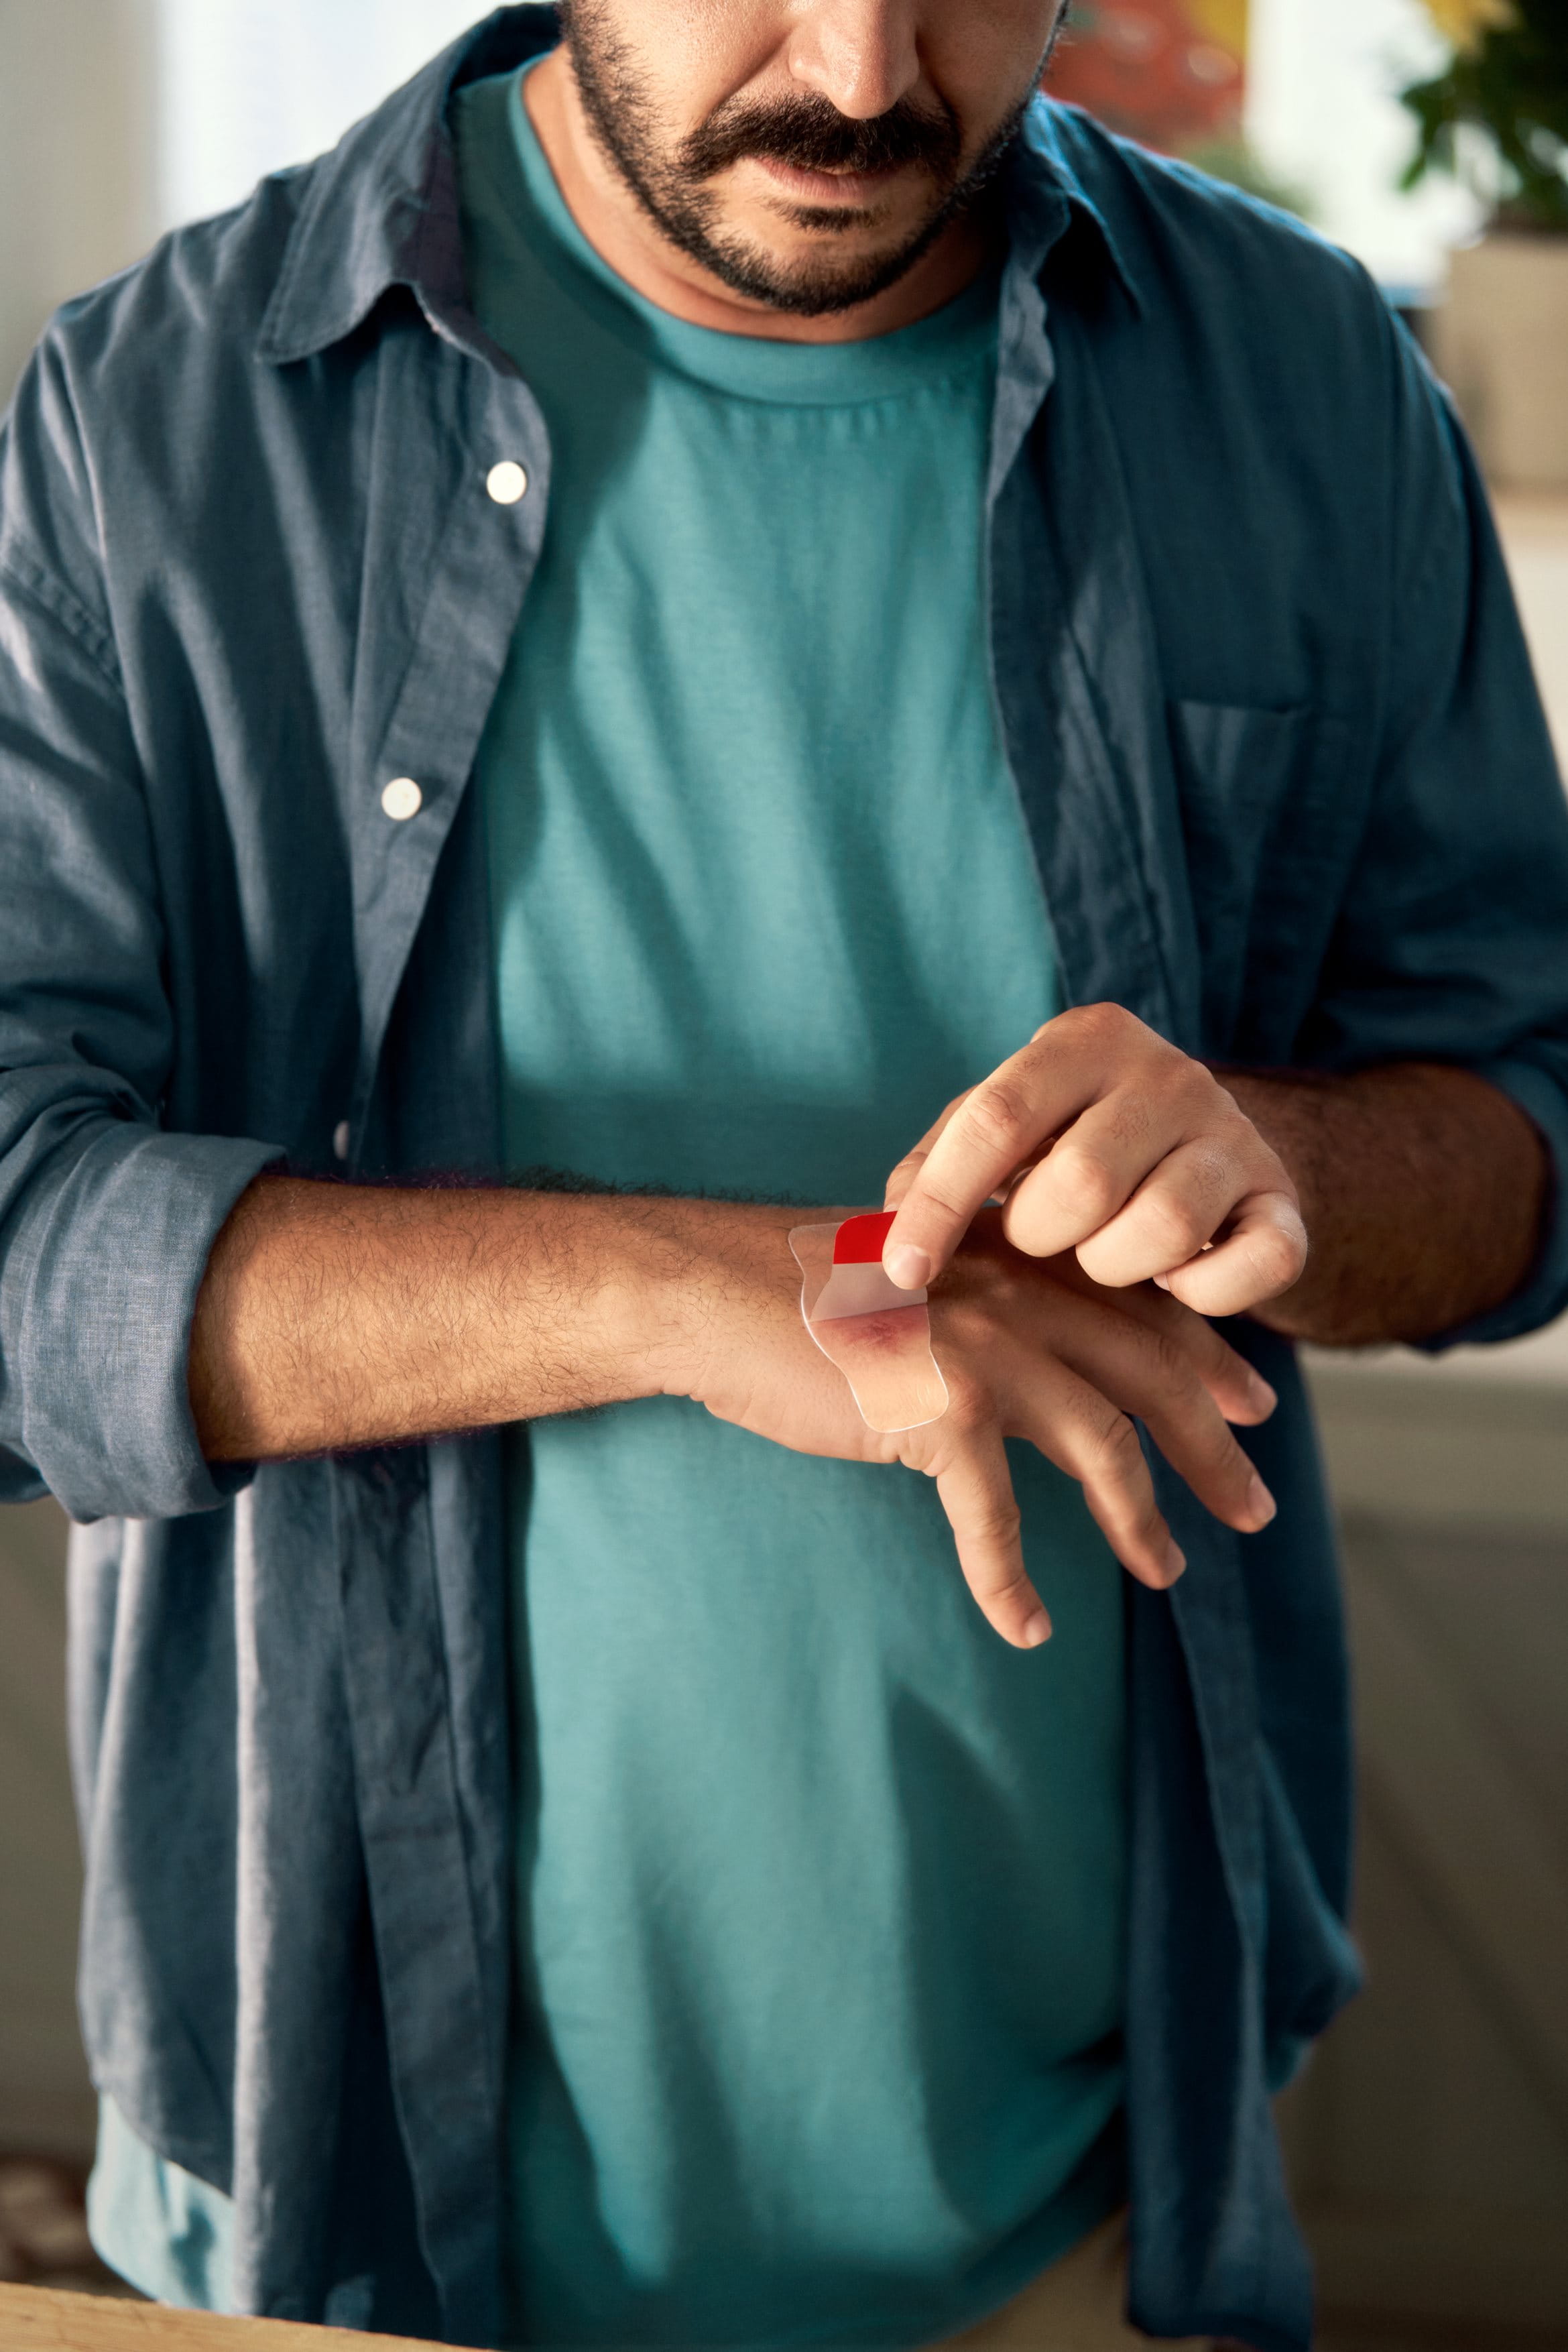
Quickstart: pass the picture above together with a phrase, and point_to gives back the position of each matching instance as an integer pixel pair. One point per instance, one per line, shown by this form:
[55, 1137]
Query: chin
[809, 264]
[808, 289]
[834, 265]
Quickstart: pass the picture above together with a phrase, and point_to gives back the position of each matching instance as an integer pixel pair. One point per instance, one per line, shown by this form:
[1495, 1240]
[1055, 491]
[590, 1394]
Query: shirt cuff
[107, 1263]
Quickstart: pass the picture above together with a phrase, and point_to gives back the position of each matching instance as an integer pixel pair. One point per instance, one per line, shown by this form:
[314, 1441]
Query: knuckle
[1171, 1369]
[1001, 1598]
[1084, 1183]
[997, 1115]
[1216, 1168]
[999, 1522]
[1234, 1464]
[1134, 1117]
[1115, 1451]
[1177, 1225]
[935, 1192]
[1093, 1022]
[1279, 1256]
[1209, 1446]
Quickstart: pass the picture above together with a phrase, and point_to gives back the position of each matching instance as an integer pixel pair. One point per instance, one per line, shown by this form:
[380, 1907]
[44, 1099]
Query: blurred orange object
[1169, 73]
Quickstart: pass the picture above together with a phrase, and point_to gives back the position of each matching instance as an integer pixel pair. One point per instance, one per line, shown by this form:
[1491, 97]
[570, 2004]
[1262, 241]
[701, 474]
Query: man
[682, 601]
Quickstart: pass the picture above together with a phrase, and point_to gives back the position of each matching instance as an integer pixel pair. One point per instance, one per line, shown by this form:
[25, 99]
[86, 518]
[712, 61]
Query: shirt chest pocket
[1245, 778]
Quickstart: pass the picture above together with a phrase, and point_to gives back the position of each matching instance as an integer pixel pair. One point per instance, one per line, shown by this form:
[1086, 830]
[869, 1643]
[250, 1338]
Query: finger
[1075, 1425]
[976, 1491]
[1239, 1390]
[1091, 1171]
[909, 1167]
[996, 1128]
[1241, 1393]
[1264, 1253]
[1148, 1374]
[1175, 1211]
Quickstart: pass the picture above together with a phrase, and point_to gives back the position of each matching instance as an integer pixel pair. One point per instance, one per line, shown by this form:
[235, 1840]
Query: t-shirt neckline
[951, 341]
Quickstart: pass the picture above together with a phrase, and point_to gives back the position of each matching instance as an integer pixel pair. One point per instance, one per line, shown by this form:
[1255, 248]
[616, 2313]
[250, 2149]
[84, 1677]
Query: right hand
[1030, 1348]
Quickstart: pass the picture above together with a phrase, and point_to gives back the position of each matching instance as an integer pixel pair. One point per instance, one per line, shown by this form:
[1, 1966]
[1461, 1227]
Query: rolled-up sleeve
[106, 1220]
[1452, 944]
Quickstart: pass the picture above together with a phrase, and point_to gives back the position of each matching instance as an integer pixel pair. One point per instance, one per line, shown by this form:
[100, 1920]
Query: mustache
[812, 135]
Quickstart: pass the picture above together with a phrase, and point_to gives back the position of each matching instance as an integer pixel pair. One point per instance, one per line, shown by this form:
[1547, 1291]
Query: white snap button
[340, 1140]
[402, 798]
[506, 482]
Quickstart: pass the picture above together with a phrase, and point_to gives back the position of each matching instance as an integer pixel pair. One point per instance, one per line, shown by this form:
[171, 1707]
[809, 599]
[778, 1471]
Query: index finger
[979, 1147]
[912, 1162]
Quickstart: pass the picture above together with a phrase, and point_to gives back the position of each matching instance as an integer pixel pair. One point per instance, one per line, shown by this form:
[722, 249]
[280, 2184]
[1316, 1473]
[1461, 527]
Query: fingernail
[910, 1268]
[1036, 1629]
[1260, 1395]
[1176, 1560]
[1161, 1281]
[1260, 1505]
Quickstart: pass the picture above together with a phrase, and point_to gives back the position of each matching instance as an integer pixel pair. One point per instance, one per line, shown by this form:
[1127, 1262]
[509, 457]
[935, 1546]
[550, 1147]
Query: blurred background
[1429, 2137]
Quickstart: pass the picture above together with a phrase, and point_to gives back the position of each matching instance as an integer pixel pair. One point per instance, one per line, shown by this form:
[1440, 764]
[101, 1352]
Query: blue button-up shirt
[1272, 724]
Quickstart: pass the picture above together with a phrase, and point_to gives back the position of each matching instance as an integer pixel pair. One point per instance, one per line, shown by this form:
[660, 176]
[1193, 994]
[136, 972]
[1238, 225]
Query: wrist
[675, 1277]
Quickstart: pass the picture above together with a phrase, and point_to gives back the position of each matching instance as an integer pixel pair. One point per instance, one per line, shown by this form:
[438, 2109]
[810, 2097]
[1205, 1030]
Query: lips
[846, 188]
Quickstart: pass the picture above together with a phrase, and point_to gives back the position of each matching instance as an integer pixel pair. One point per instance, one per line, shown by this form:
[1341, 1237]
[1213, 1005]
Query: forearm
[1424, 1190]
[335, 1316]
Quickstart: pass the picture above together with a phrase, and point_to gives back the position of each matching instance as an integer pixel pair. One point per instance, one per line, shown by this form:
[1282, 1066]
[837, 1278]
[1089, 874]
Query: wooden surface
[34, 2320]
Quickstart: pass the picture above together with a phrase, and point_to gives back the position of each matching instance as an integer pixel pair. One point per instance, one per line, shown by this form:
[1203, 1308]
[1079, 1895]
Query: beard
[674, 185]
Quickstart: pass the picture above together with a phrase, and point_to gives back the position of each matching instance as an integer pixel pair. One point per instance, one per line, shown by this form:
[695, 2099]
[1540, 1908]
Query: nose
[862, 55]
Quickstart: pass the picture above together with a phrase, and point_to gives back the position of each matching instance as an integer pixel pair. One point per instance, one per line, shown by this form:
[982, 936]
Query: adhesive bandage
[877, 1335]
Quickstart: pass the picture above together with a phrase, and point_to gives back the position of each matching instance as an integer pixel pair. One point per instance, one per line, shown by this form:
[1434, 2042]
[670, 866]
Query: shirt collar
[381, 209]
[1048, 204]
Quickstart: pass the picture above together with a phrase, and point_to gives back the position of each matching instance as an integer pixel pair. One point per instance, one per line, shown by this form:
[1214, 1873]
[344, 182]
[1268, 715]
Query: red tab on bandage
[862, 1240]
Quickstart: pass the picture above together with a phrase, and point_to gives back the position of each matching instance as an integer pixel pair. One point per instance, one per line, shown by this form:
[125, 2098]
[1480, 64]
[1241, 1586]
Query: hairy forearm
[334, 1316]
[1424, 1190]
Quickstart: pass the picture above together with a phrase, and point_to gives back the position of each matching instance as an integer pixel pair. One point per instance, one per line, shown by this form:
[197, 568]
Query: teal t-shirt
[821, 1885]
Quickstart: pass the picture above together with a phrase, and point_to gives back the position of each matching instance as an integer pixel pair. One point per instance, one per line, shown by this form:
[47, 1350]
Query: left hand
[1101, 1138]
[1027, 1348]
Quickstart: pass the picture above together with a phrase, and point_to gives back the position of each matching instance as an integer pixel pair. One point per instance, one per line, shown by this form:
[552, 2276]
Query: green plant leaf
[1509, 95]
